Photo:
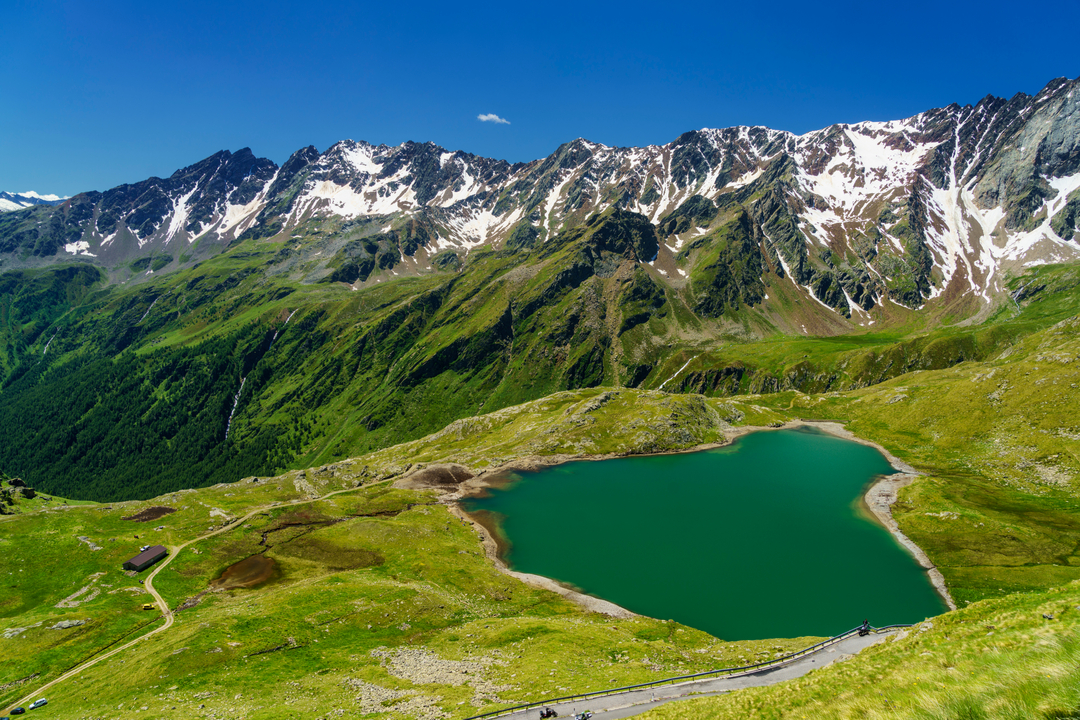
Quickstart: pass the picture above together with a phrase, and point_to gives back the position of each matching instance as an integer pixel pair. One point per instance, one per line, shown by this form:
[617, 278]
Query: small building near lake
[146, 558]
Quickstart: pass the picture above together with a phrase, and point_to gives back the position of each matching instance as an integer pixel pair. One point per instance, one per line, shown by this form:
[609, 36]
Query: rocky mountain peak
[936, 205]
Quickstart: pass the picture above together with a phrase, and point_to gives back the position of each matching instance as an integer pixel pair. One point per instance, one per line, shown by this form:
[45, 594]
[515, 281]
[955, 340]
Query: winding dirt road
[166, 611]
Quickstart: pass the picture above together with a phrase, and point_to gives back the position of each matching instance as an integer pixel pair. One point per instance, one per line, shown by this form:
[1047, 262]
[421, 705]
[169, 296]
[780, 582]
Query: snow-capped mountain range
[17, 201]
[938, 205]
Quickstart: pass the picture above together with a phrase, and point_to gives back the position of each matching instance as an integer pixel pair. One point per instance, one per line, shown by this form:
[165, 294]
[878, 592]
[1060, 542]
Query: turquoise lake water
[762, 538]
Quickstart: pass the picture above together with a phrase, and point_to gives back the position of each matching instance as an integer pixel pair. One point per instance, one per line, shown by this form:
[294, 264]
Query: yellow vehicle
[148, 606]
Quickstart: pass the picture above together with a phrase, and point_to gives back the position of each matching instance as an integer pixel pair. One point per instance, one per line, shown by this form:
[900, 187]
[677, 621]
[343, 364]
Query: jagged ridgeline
[239, 318]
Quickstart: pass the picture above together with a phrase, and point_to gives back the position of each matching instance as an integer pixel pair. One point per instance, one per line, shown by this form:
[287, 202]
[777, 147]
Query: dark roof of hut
[150, 553]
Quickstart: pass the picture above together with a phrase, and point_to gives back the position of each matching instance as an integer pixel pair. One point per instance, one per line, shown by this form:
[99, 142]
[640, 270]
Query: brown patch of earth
[332, 556]
[249, 572]
[150, 513]
[439, 476]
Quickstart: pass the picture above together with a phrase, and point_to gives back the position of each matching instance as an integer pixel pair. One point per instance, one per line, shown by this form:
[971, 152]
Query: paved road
[166, 611]
[634, 702]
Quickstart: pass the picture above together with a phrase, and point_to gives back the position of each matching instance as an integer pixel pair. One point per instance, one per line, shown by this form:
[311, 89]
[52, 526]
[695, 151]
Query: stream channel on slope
[766, 537]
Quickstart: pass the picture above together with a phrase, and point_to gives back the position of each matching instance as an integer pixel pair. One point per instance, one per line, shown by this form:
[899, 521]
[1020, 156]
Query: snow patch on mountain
[744, 179]
[242, 217]
[361, 158]
[18, 200]
[476, 227]
[180, 214]
[972, 240]
[553, 196]
[341, 199]
[1065, 186]
[863, 170]
[81, 247]
[469, 187]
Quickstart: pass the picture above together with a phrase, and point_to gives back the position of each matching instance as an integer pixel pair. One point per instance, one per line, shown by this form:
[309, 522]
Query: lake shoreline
[881, 495]
[492, 550]
[877, 501]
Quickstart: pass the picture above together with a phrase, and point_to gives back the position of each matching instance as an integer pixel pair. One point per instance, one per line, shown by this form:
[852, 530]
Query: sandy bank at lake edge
[491, 549]
[878, 499]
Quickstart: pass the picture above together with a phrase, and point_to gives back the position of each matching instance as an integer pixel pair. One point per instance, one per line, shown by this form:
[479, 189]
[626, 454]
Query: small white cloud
[492, 117]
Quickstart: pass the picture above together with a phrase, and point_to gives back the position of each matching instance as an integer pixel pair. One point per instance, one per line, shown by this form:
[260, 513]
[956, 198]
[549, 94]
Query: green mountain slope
[232, 368]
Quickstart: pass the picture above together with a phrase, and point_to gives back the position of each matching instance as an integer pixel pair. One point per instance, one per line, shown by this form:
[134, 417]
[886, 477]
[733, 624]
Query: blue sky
[100, 93]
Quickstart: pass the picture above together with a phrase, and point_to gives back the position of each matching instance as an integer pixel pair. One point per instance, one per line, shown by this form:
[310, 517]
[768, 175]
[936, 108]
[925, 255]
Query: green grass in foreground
[994, 659]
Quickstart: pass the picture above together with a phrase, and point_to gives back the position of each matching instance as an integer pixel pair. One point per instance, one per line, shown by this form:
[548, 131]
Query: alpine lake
[766, 537]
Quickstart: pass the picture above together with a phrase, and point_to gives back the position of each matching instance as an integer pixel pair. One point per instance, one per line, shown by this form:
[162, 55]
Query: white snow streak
[677, 372]
[179, 218]
[149, 309]
[236, 401]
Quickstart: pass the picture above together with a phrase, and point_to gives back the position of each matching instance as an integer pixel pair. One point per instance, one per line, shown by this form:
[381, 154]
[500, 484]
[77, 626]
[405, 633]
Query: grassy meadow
[380, 597]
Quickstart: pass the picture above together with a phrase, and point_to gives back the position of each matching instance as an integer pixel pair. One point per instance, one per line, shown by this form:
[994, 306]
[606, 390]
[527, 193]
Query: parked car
[18, 711]
[38, 703]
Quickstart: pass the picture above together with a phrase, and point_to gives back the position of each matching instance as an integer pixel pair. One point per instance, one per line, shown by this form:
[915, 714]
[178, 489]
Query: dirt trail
[160, 601]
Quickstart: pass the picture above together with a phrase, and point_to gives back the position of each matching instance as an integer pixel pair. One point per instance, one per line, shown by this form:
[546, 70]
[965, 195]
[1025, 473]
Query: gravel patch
[377, 699]
[88, 541]
[422, 667]
[76, 598]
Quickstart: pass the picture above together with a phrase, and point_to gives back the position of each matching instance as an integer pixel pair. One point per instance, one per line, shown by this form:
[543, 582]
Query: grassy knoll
[995, 659]
[597, 421]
